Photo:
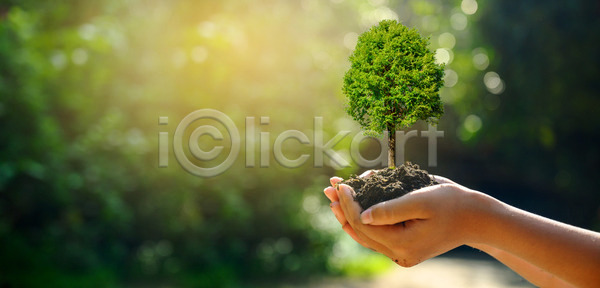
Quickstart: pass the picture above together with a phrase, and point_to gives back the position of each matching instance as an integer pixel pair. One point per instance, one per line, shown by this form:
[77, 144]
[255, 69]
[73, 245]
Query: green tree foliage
[393, 81]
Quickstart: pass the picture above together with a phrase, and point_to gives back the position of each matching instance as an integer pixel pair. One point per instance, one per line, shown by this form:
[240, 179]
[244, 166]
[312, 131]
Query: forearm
[532, 273]
[568, 252]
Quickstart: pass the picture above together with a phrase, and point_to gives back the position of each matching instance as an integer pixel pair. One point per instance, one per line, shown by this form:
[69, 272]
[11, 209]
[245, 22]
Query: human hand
[414, 227]
[332, 194]
[430, 221]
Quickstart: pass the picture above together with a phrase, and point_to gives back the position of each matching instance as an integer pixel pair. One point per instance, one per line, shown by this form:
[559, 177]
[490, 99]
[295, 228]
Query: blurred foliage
[83, 84]
[535, 140]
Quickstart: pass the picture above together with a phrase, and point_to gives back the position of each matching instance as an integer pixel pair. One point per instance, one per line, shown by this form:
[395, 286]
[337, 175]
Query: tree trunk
[391, 147]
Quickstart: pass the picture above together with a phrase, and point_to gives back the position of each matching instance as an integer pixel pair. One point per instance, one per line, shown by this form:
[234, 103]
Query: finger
[331, 194]
[383, 250]
[441, 180]
[348, 229]
[366, 174]
[346, 196]
[367, 242]
[408, 207]
[334, 180]
[351, 210]
[339, 214]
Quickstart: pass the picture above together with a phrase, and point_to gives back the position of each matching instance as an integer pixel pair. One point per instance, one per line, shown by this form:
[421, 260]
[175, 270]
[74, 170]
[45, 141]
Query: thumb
[408, 207]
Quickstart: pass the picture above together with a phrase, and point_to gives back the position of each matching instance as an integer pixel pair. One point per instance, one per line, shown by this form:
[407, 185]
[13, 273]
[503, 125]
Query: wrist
[479, 220]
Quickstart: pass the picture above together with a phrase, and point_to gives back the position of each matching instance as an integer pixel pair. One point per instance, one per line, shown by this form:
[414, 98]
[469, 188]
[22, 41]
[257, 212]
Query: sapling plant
[393, 82]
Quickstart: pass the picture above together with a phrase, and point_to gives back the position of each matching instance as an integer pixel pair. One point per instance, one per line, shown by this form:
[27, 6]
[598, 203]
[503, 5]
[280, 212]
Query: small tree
[393, 81]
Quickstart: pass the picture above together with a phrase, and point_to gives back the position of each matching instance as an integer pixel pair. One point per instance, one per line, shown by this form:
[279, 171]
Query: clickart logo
[320, 149]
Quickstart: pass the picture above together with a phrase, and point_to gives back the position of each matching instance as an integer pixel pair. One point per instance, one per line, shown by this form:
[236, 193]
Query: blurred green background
[83, 202]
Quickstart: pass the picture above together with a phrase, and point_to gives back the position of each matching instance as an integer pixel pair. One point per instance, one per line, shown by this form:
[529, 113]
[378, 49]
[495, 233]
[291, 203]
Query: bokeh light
[480, 59]
[446, 40]
[493, 82]
[450, 78]
[469, 7]
[442, 56]
[458, 21]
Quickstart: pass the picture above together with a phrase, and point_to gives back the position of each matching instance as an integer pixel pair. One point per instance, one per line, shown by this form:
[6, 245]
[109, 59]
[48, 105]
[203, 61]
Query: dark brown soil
[387, 184]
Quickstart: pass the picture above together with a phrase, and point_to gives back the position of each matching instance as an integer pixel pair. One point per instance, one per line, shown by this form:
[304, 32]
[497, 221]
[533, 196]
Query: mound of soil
[387, 184]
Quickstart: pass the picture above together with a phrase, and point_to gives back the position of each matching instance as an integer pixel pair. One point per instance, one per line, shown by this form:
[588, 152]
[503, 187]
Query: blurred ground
[434, 273]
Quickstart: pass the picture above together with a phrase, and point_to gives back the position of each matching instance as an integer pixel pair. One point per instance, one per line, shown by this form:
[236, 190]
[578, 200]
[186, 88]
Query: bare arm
[568, 252]
[532, 273]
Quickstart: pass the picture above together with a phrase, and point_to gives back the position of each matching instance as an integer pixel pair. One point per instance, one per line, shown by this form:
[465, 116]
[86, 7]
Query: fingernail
[366, 217]
[335, 180]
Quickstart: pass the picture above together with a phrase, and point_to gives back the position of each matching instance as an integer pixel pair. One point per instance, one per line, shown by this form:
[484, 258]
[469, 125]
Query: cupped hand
[414, 227]
[333, 194]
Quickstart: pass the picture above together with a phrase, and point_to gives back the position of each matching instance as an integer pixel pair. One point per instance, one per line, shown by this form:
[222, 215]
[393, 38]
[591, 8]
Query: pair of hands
[433, 220]
[410, 229]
